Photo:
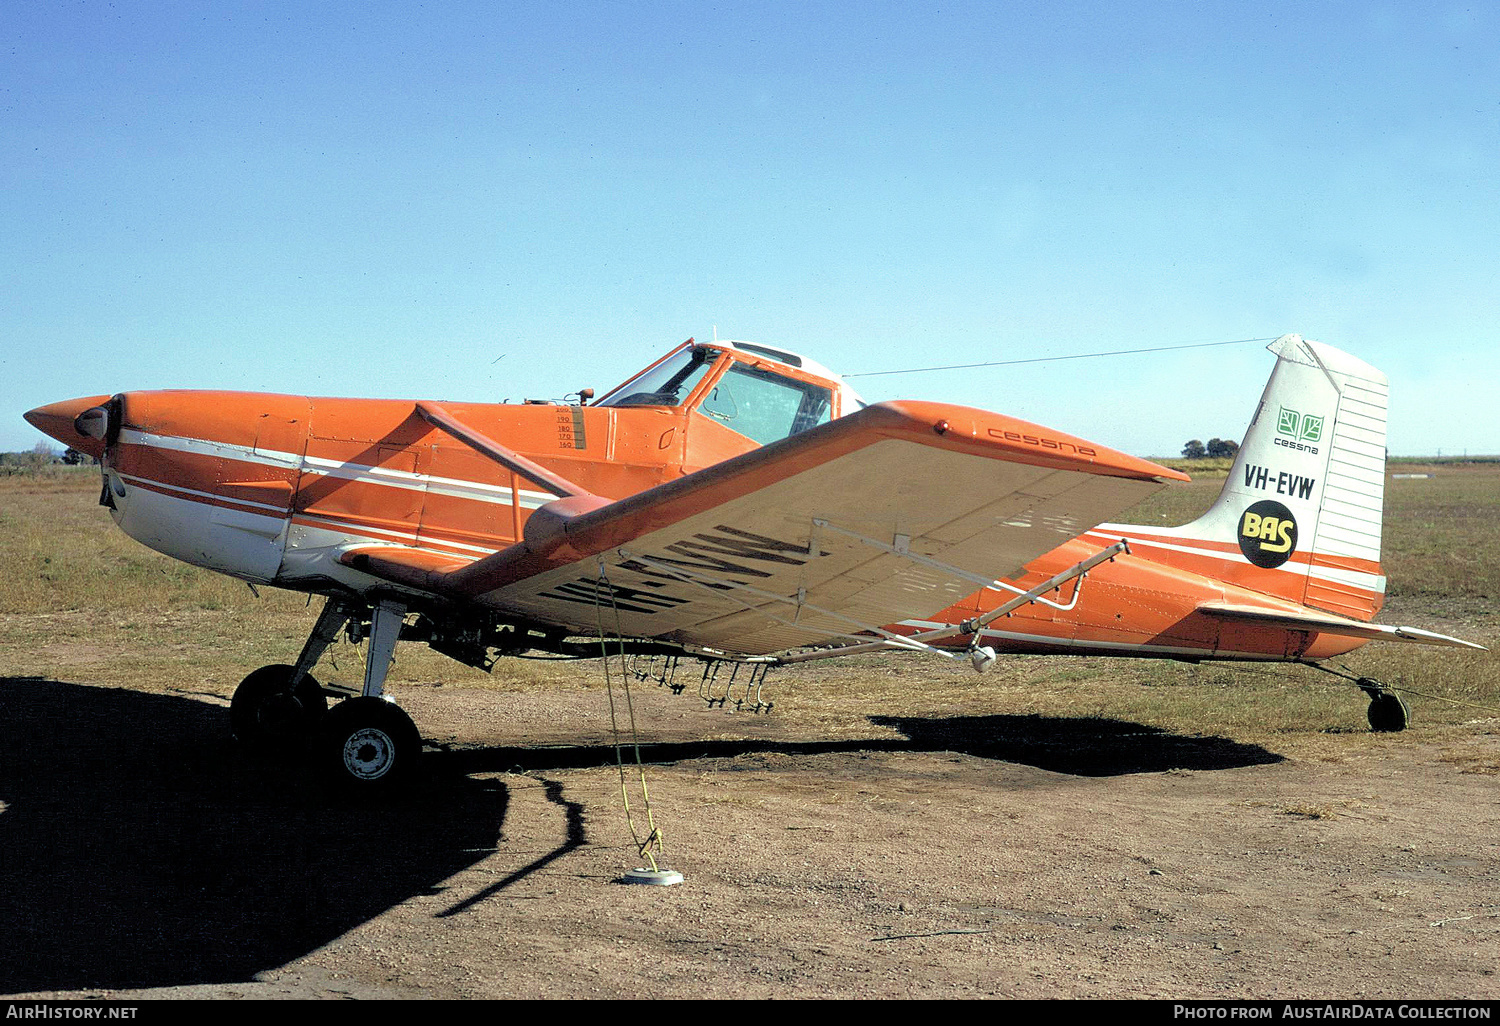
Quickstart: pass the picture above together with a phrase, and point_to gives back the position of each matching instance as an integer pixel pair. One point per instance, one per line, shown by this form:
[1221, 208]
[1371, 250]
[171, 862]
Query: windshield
[666, 384]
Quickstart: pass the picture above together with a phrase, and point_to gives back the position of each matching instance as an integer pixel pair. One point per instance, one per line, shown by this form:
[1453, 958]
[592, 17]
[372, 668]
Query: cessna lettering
[1043, 442]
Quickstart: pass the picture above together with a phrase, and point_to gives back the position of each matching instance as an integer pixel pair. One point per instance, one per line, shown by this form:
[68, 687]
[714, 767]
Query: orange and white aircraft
[741, 504]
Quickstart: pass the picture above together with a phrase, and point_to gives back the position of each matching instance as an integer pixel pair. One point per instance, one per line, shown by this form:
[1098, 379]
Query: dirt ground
[960, 856]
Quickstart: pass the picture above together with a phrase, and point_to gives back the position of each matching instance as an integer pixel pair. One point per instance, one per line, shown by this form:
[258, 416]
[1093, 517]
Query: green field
[83, 603]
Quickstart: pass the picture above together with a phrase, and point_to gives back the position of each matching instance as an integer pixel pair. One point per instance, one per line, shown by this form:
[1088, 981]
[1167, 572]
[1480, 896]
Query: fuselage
[273, 489]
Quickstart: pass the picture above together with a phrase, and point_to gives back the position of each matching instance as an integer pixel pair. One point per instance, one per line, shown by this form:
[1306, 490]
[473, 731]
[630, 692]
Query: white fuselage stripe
[407, 538]
[1353, 578]
[149, 482]
[221, 450]
[350, 530]
[457, 488]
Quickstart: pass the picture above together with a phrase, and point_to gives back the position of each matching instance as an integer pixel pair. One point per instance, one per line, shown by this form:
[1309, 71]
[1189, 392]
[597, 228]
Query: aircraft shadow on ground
[142, 848]
[1086, 746]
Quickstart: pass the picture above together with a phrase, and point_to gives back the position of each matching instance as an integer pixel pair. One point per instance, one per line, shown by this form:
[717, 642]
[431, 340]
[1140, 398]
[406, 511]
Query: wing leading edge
[900, 509]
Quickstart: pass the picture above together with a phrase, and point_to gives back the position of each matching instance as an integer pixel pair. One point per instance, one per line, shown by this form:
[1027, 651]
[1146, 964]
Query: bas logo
[1268, 533]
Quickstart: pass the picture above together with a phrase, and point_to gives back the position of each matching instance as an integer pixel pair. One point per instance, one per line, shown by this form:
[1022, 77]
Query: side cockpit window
[764, 406]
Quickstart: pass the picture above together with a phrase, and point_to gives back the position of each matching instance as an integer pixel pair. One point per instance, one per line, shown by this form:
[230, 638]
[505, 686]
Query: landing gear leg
[368, 745]
[1387, 713]
[279, 707]
[385, 629]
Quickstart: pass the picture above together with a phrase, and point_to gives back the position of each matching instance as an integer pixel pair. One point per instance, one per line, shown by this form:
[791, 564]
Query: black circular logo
[1268, 533]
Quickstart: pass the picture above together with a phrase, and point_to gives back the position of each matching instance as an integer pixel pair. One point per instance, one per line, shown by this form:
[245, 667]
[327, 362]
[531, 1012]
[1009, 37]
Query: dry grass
[1206, 467]
[80, 601]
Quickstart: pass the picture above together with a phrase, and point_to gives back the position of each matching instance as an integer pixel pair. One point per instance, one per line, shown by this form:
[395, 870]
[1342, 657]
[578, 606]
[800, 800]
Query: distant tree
[41, 454]
[72, 457]
[1220, 447]
[1194, 450]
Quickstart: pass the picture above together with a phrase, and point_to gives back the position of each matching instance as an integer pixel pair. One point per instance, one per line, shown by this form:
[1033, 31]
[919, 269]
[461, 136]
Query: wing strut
[974, 625]
[506, 457]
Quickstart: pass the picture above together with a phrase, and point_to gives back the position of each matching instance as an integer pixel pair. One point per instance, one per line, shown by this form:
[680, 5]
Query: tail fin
[1300, 515]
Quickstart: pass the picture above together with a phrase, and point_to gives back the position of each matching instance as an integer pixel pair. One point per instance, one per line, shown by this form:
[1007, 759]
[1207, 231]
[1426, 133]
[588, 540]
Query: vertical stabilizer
[1300, 514]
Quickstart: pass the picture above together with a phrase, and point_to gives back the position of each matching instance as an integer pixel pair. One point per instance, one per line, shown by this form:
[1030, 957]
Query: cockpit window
[666, 384]
[765, 406]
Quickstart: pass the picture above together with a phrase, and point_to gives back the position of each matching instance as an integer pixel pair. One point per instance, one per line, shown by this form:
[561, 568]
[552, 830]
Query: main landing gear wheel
[268, 713]
[369, 745]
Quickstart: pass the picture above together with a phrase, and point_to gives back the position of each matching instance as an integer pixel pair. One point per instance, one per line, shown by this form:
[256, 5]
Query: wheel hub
[369, 754]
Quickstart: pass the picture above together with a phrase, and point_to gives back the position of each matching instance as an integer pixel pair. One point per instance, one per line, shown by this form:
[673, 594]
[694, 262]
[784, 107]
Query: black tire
[369, 746]
[1387, 713]
[266, 713]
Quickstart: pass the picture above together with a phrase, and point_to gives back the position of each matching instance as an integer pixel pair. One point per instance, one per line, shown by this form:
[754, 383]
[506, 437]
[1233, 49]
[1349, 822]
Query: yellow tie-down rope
[653, 841]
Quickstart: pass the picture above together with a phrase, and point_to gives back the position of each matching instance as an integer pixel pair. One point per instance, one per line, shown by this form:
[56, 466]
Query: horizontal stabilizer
[1326, 623]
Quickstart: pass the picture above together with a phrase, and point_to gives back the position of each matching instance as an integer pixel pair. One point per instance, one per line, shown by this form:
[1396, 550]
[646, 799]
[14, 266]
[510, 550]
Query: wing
[898, 510]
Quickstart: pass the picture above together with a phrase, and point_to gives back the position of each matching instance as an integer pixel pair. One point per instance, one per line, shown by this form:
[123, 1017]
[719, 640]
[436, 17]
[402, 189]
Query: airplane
[740, 505]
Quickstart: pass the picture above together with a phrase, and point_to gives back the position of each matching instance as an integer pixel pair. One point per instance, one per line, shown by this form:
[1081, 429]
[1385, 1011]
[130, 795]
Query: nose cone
[57, 420]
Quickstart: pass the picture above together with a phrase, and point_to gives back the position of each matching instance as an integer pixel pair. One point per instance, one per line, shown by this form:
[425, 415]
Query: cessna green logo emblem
[1268, 533]
[1303, 427]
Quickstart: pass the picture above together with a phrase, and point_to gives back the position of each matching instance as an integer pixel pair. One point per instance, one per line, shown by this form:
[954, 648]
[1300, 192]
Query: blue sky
[490, 201]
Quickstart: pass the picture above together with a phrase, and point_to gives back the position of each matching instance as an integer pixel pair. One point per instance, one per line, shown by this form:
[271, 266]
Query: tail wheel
[1387, 713]
[369, 745]
[268, 713]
